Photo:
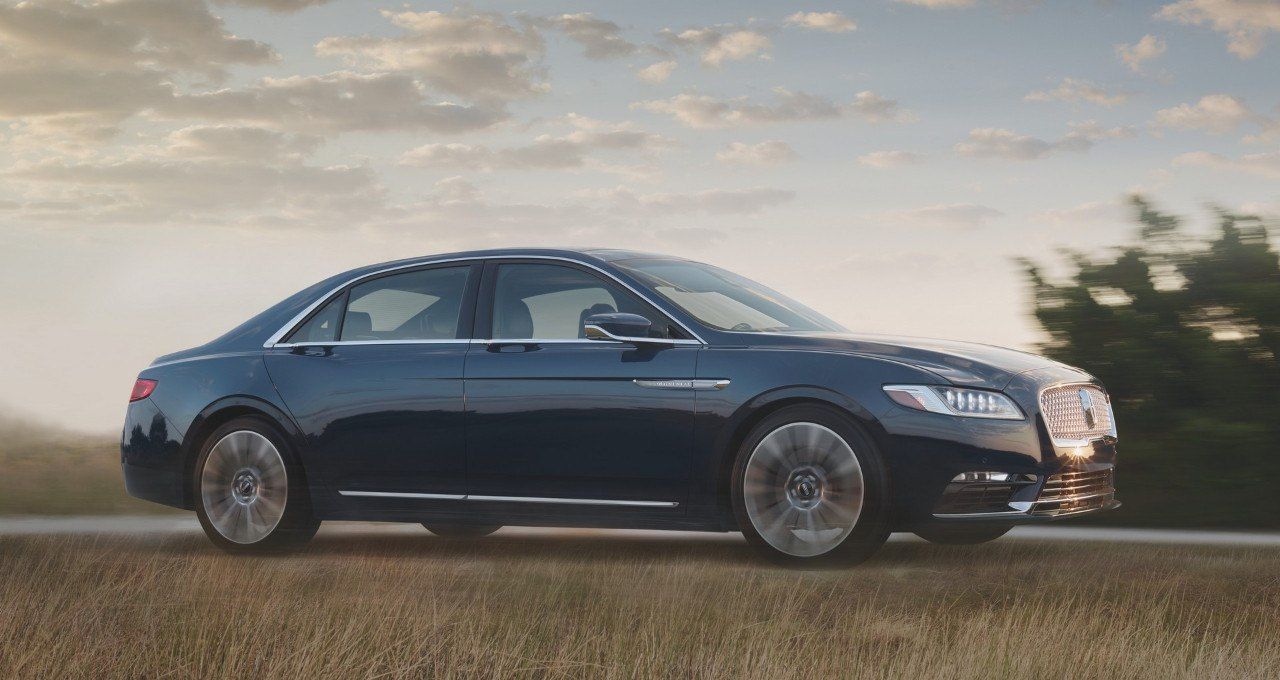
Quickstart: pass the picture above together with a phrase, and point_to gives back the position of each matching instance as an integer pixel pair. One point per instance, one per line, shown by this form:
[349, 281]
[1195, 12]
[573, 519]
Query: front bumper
[1069, 492]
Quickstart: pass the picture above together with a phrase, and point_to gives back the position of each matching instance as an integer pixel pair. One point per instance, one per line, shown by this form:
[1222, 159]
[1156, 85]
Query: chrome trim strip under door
[510, 499]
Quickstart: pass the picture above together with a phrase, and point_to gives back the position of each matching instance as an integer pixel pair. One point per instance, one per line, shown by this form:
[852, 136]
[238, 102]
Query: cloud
[167, 35]
[1215, 113]
[657, 72]
[829, 22]
[1136, 55]
[599, 38]
[1073, 90]
[940, 4]
[718, 44]
[546, 152]
[1245, 22]
[242, 143]
[946, 216]
[772, 152]
[333, 103]
[1002, 143]
[1262, 164]
[280, 6]
[477, 56]
[1085, 213]
[718, 201]
[890, 159]
[704, 111]
[55, 89]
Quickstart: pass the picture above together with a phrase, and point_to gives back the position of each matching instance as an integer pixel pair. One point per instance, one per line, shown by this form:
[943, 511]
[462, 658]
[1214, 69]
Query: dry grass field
[603, 606]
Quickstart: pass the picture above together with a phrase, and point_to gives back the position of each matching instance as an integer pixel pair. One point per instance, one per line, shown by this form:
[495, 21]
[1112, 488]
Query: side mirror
[617, 326]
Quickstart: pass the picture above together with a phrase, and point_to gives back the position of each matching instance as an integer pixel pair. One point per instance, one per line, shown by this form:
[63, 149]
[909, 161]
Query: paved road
[186, 524]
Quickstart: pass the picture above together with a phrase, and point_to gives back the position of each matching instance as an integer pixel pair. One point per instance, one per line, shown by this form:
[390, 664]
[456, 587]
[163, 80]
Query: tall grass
[521, 606]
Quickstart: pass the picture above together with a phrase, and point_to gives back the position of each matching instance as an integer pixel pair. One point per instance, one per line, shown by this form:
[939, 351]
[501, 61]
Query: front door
[374, 379]
[560, 421]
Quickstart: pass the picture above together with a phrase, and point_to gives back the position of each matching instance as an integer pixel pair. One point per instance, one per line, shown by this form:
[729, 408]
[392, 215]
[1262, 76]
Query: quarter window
[322, 326]
[419, 305]
[551, 302]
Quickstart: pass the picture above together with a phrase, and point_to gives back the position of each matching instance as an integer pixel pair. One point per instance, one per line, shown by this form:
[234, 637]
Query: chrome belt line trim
[509, 499]
[390, 494]
[683, 384]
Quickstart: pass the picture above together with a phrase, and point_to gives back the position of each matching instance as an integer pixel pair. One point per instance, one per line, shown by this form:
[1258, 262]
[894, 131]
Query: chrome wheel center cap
[805, 487]
[244, 488]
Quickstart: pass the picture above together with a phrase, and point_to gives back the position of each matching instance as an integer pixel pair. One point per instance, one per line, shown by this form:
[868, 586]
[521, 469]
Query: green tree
[1185, 332]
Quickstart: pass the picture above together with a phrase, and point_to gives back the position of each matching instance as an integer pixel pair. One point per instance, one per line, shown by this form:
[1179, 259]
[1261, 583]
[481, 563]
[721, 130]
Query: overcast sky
[170, 167]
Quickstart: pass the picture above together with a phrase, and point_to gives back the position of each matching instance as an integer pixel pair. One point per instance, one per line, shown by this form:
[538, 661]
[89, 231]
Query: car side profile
[605, 388]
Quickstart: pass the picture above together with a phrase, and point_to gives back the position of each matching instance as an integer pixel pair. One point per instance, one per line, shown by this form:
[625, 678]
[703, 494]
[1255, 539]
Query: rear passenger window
[323, 326]
[420, 305]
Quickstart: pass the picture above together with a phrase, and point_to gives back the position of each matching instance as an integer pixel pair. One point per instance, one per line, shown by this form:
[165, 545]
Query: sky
[170, 167]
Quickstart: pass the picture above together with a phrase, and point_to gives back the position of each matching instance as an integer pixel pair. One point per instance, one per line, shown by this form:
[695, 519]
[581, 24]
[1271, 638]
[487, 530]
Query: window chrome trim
[509, 499]
[582, 341]
[274, 340]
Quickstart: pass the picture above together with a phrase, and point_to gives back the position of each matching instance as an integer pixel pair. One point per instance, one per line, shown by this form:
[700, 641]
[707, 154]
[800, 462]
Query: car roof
[588, 254]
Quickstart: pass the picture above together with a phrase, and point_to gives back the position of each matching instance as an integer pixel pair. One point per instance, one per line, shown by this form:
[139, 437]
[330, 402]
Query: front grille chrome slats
[1065, 493]
[1077, 413]
[1072, 492]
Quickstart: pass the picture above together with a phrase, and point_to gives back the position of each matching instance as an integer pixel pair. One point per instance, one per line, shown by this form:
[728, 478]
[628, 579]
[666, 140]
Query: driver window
[551, 302]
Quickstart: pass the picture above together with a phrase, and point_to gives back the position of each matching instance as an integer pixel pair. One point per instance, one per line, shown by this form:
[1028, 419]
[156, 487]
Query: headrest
[514, 320]
[441, 320]
[357, 324]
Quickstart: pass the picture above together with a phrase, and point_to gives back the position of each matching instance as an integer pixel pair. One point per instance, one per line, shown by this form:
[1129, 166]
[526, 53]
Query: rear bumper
[151, 457]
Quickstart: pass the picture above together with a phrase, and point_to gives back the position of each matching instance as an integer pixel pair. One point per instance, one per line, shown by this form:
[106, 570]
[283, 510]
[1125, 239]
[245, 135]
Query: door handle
[313, 350]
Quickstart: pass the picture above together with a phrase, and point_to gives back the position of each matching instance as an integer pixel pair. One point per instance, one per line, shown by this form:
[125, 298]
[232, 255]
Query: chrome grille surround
[1071, 422]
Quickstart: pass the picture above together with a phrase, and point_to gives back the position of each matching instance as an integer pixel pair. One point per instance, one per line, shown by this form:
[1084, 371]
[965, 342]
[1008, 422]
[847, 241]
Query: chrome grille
[1077, 491]
[1064, 410]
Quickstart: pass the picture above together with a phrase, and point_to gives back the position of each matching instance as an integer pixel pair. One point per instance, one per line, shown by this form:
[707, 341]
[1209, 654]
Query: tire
[461, 530]
[811, 465]
[962, 534]
[250, 492]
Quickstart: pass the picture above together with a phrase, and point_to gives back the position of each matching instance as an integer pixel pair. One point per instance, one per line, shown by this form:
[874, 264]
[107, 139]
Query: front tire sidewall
[872, 527]
[295, 527]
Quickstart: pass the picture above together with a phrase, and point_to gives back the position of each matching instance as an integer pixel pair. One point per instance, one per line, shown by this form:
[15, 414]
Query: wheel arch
[749, 414]
[214, 416]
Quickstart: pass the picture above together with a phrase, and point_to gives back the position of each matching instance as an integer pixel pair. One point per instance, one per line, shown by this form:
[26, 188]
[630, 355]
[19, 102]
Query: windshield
[725, 301]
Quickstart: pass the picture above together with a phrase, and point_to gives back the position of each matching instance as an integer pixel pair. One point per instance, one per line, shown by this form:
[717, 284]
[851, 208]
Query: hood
[961, 363]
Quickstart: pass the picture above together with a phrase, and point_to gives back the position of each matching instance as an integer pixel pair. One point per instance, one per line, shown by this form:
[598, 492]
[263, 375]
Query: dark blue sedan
[604, 388]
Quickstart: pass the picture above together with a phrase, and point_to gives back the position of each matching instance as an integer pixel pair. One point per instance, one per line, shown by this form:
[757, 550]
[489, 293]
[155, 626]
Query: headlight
[955, 401]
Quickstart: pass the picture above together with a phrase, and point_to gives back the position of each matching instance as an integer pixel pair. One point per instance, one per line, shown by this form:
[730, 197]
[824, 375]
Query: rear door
[374, 379]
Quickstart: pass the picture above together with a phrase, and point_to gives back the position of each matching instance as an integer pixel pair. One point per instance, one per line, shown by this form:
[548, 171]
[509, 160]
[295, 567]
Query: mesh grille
[1064, 412]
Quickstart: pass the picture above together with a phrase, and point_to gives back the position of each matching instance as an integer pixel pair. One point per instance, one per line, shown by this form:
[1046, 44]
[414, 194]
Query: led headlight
[955, 401]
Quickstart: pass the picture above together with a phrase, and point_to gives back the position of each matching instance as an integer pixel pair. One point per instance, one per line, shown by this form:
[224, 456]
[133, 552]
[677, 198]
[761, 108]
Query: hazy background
[170, 167]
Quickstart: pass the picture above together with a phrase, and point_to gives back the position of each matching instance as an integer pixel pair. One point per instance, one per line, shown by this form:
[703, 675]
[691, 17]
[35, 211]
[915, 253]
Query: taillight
[142, 389]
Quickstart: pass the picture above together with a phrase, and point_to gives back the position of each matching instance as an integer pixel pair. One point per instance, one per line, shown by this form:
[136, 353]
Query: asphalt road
[186, 524]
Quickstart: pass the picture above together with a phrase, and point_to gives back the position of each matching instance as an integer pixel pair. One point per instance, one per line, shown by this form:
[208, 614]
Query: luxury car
[606, 388]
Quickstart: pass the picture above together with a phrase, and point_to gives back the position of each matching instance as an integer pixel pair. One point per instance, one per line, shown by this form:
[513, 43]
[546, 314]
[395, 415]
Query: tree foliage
[1185, 333]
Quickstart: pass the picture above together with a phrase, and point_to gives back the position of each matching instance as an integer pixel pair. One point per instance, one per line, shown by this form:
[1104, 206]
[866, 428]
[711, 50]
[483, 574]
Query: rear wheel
[461, 530]
[962, 534]
[810, 489]
[249, 489]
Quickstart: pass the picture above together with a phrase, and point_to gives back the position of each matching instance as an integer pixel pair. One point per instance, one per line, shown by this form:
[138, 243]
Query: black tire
[869, 530]
[962, 534]
[296, 525]
[461, 530]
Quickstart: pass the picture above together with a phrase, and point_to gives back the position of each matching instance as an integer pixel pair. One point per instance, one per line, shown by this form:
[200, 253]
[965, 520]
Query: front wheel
[962, 534]
[249, 490]
[810, 489]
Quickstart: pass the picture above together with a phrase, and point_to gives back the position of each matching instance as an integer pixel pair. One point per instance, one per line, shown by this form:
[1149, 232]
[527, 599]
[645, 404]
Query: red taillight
[142, 389]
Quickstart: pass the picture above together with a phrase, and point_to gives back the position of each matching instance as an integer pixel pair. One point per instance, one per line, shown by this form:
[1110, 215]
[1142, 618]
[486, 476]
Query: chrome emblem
[1086, 404]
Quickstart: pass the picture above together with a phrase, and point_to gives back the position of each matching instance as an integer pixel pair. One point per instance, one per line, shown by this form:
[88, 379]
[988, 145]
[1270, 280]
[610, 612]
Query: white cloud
[478, 56]
[1074, 90]
[281, 6]
[1215, 113]
[773, 152]
[704, 111]
[1002, 143]
[1135, 56]
[719, 44]
[599, 38]
[657, 72]
[1245, 22]
[940, 4]
[236, 142]
[333, 103]
[1086, 213]
[947, 216]
[180, 35]
[546, 152]
[1263, 164]
[718, 201]
[829, 22]
[890, 159]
